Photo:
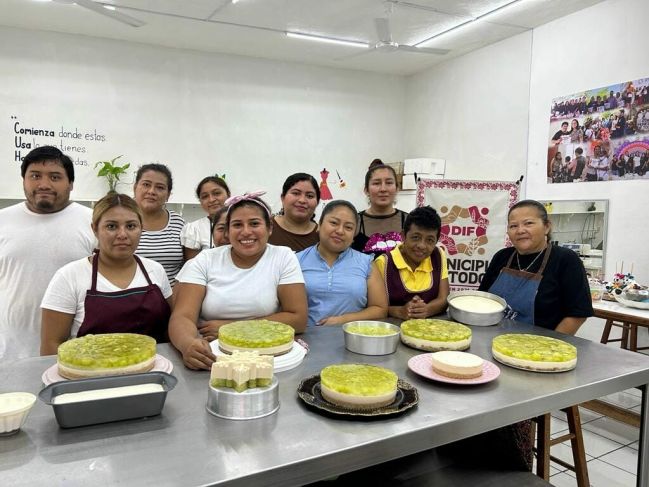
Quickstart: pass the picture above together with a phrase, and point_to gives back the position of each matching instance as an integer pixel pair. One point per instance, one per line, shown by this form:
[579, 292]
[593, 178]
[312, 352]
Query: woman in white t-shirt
[212, 192]
[248, 279]
[112, 291]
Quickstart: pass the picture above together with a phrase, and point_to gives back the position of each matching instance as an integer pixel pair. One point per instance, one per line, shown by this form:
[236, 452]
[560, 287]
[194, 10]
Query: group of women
[154, 274]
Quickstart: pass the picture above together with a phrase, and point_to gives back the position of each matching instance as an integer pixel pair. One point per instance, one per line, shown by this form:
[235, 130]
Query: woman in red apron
[113, 291]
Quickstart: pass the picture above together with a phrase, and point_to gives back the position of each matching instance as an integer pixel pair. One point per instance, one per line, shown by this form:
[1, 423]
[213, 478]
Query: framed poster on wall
[474, 223]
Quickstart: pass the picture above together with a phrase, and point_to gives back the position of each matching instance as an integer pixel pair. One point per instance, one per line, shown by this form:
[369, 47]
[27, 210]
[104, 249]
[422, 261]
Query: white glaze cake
[358, 386]
[457, 365]
[106, 354]
[435, 335]
[242, 370]
[263, 336]
[477, 304]
[534, 352]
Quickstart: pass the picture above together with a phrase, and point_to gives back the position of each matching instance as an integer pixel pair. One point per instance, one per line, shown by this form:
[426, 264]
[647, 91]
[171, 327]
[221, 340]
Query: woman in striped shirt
[161, 228]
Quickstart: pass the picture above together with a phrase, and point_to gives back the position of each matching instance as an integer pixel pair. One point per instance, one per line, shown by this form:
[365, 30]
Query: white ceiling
[256, 27]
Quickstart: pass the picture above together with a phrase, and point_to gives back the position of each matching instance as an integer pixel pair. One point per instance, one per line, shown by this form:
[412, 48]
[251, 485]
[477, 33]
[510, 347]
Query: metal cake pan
[371, 345]
[97, 411]
[472, 317]
[257, 402]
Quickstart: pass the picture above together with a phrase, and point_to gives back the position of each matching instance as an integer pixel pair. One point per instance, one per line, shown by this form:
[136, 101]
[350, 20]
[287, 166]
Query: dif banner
[474, 223]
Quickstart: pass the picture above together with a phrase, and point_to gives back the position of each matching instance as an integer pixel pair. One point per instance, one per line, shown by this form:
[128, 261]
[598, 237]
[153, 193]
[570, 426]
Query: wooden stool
[544, 442]
[629, 340]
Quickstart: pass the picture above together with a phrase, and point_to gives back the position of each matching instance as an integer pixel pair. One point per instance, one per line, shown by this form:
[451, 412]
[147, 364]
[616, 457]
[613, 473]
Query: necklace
[518, 262]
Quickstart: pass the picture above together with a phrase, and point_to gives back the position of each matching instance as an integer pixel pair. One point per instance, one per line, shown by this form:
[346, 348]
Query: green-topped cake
[266, 337]
[358, 386]
[534, 352]
[369, 330]
[107, 354]
[435, 335]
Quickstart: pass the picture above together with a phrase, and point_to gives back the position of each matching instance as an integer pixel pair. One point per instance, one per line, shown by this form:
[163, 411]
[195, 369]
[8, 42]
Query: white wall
[256, 120]
[565, 60]
[473, 112]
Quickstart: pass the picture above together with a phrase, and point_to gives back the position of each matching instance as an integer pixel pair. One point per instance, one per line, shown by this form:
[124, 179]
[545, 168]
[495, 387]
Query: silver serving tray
[258, 402]
[474, 318]
[372, 345]
[107, 410]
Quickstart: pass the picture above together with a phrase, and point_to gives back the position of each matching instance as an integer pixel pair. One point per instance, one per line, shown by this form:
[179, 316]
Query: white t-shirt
[33, 246]
[67, 290]
[196, 235]
[235, 294]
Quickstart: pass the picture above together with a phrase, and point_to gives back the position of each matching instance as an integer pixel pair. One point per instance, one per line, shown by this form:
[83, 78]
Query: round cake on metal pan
[534, 352]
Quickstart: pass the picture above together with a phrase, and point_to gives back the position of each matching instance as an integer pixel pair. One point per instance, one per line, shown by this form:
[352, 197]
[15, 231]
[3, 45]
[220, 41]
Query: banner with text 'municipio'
[474, 223]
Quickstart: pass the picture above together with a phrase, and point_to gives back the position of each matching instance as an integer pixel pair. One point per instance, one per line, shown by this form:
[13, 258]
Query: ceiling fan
[101, 9]
[386, 44]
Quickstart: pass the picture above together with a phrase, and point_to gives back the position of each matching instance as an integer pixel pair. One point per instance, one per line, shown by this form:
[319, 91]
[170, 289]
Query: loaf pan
[97, 411]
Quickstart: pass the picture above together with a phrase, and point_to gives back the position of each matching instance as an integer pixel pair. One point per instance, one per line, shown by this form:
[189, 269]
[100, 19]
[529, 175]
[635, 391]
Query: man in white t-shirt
[37, 237]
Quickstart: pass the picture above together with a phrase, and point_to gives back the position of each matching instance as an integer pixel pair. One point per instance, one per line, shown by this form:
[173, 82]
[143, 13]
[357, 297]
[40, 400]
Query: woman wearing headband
[247, 279]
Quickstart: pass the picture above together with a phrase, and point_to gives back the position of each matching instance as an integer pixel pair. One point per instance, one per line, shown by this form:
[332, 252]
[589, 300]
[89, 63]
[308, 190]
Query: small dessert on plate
[457, 365]
[263, 336]
[106, 354]
[534, 352]
[358, 386]
[435, 335]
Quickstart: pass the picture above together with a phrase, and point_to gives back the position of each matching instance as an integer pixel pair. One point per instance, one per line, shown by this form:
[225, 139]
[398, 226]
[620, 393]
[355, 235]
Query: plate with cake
[107, 354]
[434, 335]
[454, 367]
[535, 353]
[262, 336]
[360, 390]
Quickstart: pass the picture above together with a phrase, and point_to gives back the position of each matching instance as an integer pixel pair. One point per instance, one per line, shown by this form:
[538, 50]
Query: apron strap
[146, 274]
[546, 257]
[95, 267]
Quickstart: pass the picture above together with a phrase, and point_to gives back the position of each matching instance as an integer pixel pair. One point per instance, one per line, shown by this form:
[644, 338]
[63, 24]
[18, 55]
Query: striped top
[164, 246]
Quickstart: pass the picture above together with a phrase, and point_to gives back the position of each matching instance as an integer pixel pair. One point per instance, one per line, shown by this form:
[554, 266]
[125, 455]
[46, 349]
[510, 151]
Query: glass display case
[581, 226]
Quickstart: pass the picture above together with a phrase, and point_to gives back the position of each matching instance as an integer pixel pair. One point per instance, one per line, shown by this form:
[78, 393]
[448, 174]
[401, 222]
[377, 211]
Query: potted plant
[112, 172]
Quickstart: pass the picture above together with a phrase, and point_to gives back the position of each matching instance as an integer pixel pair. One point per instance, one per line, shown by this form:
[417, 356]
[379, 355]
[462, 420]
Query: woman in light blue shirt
[341, 283]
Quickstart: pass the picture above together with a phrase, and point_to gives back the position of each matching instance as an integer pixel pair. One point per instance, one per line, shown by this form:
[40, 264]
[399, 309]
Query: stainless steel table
[188, 446]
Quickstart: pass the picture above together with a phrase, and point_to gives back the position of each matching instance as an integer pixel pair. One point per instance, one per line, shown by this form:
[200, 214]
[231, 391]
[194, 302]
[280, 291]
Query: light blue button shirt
[335, 290]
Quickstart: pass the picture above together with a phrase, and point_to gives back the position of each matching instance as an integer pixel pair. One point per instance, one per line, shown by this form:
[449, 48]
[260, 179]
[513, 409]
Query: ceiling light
[471, 21]
[109, 7]
[234, 1]
[330, 40]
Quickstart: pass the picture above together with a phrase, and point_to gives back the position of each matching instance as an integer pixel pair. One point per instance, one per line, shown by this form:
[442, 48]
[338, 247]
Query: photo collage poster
[600, 134]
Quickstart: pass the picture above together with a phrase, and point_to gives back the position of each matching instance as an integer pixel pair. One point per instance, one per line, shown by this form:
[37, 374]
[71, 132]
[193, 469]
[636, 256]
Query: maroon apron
[142, 310]
[397, 292]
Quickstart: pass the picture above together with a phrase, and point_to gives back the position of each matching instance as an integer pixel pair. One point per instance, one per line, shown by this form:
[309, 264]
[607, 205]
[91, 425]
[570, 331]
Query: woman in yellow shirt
[415, 272]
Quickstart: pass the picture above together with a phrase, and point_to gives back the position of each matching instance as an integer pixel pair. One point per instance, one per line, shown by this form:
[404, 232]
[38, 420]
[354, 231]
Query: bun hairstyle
[114, 200]
[424, 217]
[161, 168]
[540, 209]
[219, 181]
[375, 165]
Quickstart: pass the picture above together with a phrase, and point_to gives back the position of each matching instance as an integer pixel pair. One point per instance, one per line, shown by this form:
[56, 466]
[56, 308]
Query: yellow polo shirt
[420, 278]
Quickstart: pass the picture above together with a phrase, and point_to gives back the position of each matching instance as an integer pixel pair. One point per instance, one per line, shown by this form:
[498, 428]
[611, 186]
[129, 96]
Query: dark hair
[332, 205]
[375, 165]
[212, 179]
[579, 151]
[543, 213]
[293, 179]
[424, 217]
[114, 200]
[48, 153]
[252, 202]
[564, 123]
[161, 168]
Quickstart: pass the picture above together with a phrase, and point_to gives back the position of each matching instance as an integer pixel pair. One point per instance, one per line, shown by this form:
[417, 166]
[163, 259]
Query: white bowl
[14, 408]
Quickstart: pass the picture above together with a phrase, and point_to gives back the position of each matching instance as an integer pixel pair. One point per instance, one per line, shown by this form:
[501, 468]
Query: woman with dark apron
[113, 291]
[544, 286]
